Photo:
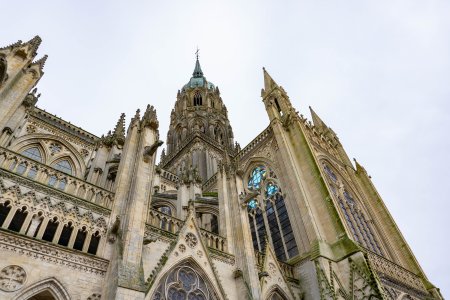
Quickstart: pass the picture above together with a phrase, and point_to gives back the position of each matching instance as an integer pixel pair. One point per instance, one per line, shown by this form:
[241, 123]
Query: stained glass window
[63, 166]
[258, 175]
[252, 204]
[33, 153]
[185, 283]
[271, 189]
[268, 217]
[360, 229]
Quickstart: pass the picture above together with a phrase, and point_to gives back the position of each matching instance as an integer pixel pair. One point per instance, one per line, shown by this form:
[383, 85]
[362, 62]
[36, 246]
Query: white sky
[377, 72]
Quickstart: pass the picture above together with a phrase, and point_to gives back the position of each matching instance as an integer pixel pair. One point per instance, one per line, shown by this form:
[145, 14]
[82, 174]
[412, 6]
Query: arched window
[197, 99]
[80, 238]
[184, 282]
[33, 153]
[268, 215]
[361, 230]
[18, 219]
[95, 241]
[5, 208]
[50, 230]
[32, 172]
[65, 234]
[21, 168]
[63, 166]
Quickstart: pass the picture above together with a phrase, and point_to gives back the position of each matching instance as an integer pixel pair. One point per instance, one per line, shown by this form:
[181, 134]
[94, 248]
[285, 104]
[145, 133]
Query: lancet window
[355, 218]
[268, 216]
[197, 99]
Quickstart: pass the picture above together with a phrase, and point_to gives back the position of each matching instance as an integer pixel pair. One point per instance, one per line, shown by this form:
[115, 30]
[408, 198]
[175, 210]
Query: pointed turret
[34, 45]
[40, 63]
[197, 70]
[269, 83]
[119, 130]
[317, 121]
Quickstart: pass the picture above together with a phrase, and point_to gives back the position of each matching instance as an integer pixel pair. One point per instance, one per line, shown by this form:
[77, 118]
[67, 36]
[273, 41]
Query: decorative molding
[49, 191]
[52, 254]
[12, 278]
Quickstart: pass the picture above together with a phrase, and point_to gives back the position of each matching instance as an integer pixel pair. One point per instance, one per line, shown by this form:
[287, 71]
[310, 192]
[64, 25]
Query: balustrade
[286, 269]
[214, 241]
[163, 221]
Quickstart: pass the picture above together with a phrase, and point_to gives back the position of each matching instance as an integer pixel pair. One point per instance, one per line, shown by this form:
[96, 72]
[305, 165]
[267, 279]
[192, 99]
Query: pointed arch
[50, 285]
[37, 138]
[34, 151]
[352, 209]
[276, 293]
[185, 278]
[267, 211]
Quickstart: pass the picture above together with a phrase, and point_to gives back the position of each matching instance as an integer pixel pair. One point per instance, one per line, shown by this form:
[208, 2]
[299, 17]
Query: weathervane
[196, 52]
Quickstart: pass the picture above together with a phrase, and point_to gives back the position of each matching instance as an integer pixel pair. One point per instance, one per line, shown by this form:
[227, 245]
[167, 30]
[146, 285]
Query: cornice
[52, 254]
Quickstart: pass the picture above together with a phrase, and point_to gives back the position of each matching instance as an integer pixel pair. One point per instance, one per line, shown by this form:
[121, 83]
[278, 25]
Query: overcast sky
[377, 72]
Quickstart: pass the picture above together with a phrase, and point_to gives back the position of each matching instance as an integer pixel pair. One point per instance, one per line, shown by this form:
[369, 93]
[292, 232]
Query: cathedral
[288, 216]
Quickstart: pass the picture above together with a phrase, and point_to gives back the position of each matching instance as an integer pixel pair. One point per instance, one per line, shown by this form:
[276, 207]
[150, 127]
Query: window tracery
[268, 215]
[63, 166]
[197, 99]
[184, 283]
[361, 230]
[33, 153]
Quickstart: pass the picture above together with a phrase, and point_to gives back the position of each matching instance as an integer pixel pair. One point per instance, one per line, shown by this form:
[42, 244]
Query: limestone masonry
[288, 216]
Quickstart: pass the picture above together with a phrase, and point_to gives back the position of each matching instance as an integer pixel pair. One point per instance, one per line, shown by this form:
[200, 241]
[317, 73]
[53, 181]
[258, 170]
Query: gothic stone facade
[288, 216]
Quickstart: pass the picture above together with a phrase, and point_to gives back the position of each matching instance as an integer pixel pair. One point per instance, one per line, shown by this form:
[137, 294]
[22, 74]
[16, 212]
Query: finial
[197, 52]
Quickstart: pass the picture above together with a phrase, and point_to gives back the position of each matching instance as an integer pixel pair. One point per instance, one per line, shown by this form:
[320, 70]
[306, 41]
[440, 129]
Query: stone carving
[48, 253]
[31, 129]
[12, 278]
[182, 248]
[191, 240]
[84, 152]
[94, 296]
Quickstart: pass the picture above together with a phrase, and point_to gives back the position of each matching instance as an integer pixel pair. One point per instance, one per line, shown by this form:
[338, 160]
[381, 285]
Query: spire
[198, 70]
[269, 83]
[41, 62]
[34, 44]
[119, 130]
[317, 120]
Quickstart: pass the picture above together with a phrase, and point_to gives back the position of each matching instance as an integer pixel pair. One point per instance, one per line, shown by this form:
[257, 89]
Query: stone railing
[169, 176]
[163, 221]
[209, 183]
[390, 269]
[34, 170]
[262, 136]
[214, 241]
[286, 269]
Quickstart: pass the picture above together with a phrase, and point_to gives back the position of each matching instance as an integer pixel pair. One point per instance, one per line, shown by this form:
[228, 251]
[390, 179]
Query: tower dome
[197, 79]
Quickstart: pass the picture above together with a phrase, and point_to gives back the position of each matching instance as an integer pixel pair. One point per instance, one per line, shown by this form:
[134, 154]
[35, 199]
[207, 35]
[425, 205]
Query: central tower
[200, 133]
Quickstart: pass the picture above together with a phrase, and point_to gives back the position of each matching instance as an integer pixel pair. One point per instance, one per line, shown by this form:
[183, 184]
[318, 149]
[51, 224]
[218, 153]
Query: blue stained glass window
[252, 204]
[271, 189]
[258, 175]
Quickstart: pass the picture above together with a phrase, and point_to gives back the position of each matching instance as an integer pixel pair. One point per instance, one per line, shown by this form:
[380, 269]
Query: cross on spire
[196, 52]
